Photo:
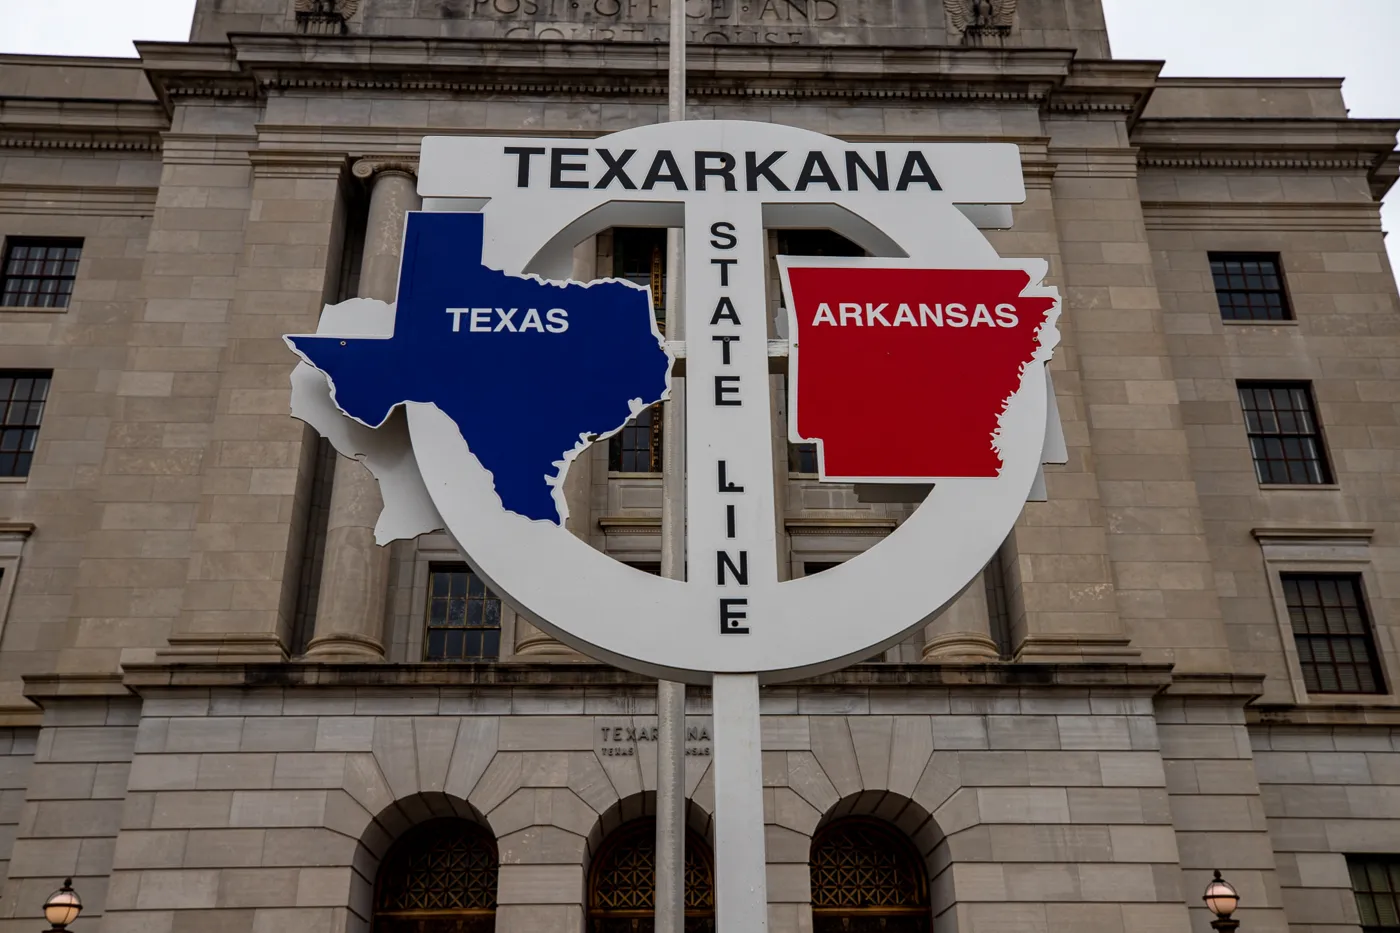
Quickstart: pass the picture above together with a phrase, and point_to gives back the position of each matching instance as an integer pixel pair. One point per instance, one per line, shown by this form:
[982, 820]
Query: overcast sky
[1353, 39]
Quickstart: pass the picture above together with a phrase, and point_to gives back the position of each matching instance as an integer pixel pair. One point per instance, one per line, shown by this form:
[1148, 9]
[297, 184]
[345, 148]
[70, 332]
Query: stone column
[963, 631]
[578, 486]
[355, 574]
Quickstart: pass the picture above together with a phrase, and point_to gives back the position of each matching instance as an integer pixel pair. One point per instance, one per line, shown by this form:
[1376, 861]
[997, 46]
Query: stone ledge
[1322, 714]
[1241, 686]
[40, 687]
[152, 676]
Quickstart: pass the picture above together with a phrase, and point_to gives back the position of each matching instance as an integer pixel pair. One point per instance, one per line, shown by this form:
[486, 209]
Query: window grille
[622, 882]
[637, 447]
[439, 875]
[23, 396]
[1284, 436]
[1336, 648]
[1249, 287]
[1375, 880]
[867, 876]
[39, 273]
[464, 616]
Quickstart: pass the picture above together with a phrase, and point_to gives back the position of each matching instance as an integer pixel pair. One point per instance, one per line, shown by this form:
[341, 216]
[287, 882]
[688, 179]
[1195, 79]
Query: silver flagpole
[670, 697]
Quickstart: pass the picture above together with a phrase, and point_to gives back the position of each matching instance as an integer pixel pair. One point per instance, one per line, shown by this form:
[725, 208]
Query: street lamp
[1222, 899]
[62, 907]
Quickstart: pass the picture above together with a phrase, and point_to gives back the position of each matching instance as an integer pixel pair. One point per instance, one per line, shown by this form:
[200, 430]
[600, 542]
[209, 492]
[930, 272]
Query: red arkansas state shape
[904, 373]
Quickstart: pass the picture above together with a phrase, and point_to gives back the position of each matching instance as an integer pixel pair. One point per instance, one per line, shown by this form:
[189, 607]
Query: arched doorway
[867, 877]
[439, 877]
[622, 882]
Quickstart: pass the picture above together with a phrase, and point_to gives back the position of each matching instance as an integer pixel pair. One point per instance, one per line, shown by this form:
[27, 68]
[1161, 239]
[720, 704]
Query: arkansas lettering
[953, 314]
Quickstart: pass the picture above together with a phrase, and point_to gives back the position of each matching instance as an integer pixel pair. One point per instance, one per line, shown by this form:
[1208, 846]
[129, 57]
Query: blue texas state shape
[523, 367]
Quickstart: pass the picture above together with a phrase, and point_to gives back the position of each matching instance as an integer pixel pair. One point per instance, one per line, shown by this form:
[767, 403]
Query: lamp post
[62, 907]
[1222, 899]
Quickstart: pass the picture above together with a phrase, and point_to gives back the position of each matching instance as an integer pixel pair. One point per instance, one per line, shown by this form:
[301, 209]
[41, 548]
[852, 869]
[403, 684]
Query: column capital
[368, 168]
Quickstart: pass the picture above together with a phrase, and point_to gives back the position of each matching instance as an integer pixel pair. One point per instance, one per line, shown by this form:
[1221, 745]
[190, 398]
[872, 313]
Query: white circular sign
[541, 203]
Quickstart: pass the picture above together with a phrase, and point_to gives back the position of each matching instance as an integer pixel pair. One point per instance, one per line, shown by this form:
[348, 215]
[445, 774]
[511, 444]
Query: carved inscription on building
[714, 21]
[622, 738]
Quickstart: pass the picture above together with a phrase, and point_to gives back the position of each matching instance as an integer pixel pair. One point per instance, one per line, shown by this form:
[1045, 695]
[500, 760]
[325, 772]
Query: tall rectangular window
[1375, 880]
[637, 447]
[639, 256]
[1249, 287]
[39, 273]
[1332, 631]
[464, 616]
[23, 395]
[1284, 435]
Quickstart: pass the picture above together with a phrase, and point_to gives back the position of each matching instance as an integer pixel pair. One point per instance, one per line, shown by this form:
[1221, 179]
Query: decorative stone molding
[155, 678]
[627, 525]
[980, 22]
[350, 646]
[1254, 161]
[1048, 649]
[368, 167]
[1290, 216]
[227, 647]
[291, 163]
[1347, 543]
[59, 138]
[961, 646]
[872, 527]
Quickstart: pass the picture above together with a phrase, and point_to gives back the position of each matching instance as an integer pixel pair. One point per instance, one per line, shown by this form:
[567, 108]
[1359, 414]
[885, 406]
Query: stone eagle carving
[979, 15]
[346, 8]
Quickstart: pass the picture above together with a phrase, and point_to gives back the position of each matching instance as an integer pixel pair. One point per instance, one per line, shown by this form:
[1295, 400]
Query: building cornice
[1271, 144]
[1294, 216]
[259, 64]
[145, 678]
[51, 123]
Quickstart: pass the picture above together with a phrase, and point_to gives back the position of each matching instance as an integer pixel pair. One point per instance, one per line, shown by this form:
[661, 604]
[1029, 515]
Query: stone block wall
[16, 766]
[1344, 342]
[103, 198]
[1328, 792]
[1217, 808]
[73, 806]
[253, 808]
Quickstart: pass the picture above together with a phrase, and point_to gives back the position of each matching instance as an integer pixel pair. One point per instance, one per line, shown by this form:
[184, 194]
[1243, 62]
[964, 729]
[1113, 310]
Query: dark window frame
[1287, 443]
[21, 418]
[1334, 634]
[639, 440]
[19, 271]
[1375, 883]
[639, 256]
[1244, 294]
[446, 622]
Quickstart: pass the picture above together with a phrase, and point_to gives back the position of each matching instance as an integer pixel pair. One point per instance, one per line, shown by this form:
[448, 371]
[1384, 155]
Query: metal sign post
[670, 695]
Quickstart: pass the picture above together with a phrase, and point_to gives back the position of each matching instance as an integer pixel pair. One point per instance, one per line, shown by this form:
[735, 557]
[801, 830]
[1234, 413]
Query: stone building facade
[225, 710]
